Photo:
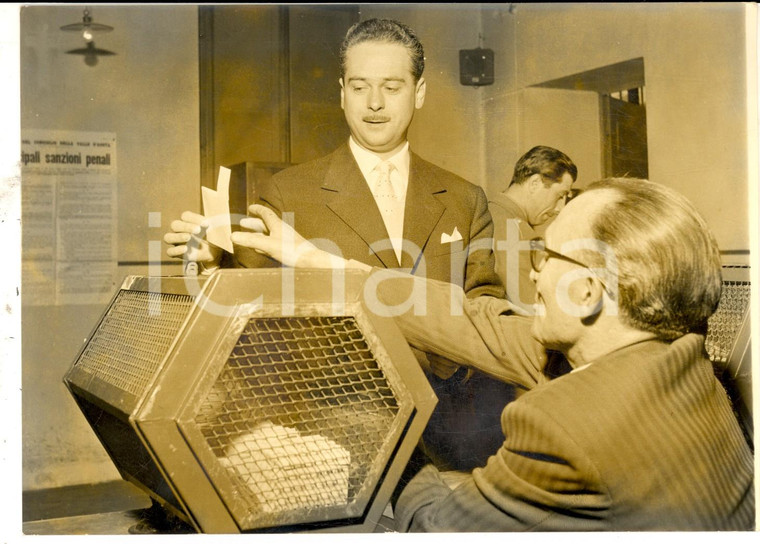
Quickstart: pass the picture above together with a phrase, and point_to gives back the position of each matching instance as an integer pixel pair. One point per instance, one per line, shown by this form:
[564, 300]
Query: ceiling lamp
[87, 27]
[91, 53]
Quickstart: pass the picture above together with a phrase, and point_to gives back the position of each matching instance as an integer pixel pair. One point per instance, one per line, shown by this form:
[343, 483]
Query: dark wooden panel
[269, 89]
[245, 182]
[317, 124]
[244, 84]
[625, 138]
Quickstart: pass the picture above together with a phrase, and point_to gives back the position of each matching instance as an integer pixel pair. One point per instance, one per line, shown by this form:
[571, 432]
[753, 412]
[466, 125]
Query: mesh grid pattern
[298, 415]
[724, 324]
[133, 338]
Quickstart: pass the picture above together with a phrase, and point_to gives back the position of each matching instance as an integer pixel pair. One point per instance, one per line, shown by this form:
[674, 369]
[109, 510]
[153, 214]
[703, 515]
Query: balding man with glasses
[639, 435]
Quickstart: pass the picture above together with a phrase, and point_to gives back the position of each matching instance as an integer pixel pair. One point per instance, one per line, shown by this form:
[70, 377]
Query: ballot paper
[216, 208]
[286, 470]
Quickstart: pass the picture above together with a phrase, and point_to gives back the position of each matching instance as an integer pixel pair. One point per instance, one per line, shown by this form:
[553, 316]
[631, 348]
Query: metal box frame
[729, 339]
[153, 428]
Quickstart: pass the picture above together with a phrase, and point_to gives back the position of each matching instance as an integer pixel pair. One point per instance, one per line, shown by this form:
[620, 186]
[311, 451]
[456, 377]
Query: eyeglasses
[539, 254]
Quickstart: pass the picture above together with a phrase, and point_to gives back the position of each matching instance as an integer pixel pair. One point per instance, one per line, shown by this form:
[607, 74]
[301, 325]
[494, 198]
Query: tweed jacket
[642, 439]
[329, 203]
[511, 227]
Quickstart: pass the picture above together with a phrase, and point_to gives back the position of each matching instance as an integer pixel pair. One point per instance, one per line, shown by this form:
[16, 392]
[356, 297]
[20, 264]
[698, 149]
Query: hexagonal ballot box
[254, 400]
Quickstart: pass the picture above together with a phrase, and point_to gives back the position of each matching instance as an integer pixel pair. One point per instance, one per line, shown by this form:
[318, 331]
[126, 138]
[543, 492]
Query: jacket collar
[512, 207]
[352, 201]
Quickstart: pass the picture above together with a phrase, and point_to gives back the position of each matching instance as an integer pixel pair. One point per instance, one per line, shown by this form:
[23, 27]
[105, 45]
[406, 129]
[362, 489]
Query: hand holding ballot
[201, 238]
[269, 235]
[273, 237]
[187, 239]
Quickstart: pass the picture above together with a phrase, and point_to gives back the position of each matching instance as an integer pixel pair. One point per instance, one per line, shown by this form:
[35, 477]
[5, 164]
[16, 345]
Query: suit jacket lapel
[423, 209]
[352, 201]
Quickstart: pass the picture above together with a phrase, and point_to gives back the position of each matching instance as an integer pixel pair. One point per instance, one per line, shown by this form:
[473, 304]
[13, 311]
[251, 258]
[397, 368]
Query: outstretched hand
[187, 240]
[272, 237]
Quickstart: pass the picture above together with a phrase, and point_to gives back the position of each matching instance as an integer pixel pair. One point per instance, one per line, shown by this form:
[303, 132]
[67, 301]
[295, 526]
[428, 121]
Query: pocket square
[453, 237]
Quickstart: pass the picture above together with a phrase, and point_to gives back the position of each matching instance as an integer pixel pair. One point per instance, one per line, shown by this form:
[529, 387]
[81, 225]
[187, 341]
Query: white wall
[555, 117]
[694, 59]
[148, 95]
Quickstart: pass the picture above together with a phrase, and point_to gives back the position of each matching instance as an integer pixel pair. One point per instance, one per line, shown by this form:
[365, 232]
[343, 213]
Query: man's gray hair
[669, 267]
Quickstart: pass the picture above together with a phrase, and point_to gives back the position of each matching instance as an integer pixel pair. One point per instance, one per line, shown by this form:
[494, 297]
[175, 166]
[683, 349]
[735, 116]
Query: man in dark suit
[640, 434]
[375, 201]
[444, 218]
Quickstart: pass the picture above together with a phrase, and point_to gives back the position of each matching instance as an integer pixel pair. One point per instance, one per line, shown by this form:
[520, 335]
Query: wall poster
[68, 217]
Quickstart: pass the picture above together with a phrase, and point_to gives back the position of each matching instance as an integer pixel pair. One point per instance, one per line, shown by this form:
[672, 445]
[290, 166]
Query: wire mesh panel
[133, 338]
[113, 371]
[725, 323]
[298, 416]
[728, 342]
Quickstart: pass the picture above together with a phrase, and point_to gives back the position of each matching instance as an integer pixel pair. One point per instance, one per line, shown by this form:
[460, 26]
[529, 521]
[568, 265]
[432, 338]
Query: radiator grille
[133, 338]
[724, 325]
[298, 416]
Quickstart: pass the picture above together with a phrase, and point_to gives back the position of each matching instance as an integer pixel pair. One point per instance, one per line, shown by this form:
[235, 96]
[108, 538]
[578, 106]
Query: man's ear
[419, 93]
[534, 183]
[591, 295]
[342, 92]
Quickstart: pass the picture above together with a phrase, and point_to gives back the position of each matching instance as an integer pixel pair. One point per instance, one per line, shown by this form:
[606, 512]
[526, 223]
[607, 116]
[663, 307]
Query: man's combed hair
[668, 262]
[551, 164]
[385, 30]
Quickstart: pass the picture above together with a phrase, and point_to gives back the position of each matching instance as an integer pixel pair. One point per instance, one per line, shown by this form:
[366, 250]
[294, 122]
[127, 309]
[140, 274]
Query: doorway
[622, 114]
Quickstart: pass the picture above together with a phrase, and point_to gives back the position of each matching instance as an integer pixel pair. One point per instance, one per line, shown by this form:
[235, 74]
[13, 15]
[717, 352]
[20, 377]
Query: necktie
[390, 205]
